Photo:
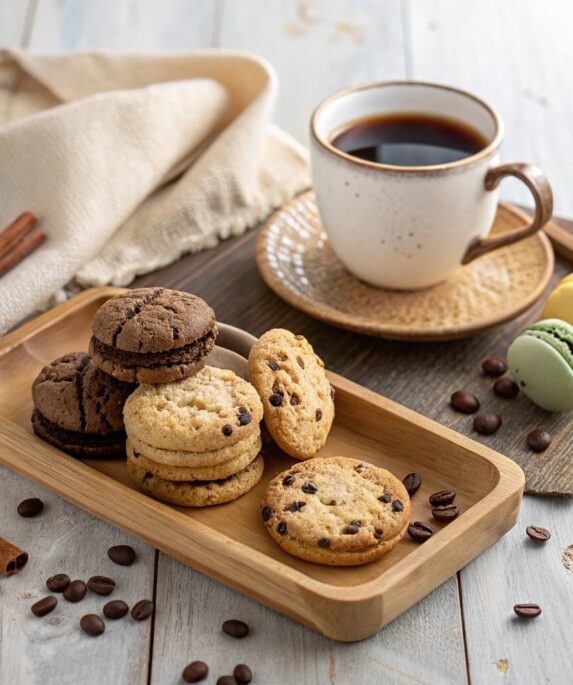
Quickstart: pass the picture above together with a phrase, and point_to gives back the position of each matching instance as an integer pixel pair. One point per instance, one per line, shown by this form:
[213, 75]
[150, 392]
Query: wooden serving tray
[229, 542]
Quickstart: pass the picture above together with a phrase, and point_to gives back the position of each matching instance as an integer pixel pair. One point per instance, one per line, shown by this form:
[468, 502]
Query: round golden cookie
[208, 411]
[199, 493]
[250, 445]
[186, 473]
[297, 397]
[336, 511]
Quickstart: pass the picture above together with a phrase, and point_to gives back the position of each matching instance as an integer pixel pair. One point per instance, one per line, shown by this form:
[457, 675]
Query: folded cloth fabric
[131, 160]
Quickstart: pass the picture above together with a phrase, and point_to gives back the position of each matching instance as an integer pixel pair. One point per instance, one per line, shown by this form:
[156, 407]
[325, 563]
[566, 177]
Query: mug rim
[466, 161]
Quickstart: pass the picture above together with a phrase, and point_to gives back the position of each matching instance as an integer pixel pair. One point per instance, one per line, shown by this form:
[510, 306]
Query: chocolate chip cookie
[297, 397]
[153, 335]
[210, 410]
[78, 407]
[336, 511]
[198, 493]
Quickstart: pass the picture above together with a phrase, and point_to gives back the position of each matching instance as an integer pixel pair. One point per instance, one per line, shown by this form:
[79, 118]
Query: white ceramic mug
[412, 227]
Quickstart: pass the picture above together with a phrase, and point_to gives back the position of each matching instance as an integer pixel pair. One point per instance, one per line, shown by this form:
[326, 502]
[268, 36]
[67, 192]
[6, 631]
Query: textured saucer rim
[358, 324]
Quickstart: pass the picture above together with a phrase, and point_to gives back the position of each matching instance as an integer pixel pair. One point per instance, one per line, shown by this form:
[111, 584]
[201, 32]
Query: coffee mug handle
[539, 186]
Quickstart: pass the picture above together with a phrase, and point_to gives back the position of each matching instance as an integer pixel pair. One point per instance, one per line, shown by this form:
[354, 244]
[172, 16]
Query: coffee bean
[288, 480]
[227, 430]
[30, 507]
[276, 399]
[412, 483]
[124, 555]
[445, 512]
[281, 528]
[324, 542]
[318, 414]
[442, 497]
[527, 610]
[75, 591]
[142, 609]
[420, 531]
[226, 680]
[92, 625]
[273, 366]
[506, 388]
[115, 609]
[397, 505]
[309, 488]
[196, 670]
[243, 674]
[494, 366]
[386, 498]
[296, 506]
[464, 402]
[538, 440]
[44, 606]
[101, 585]
[58, 583]
[266, 513]
[537, 533]
[487, 424]
[235, 628]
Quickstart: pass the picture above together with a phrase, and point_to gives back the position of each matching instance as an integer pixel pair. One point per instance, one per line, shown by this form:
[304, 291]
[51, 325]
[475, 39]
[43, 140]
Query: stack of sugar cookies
[195, 442]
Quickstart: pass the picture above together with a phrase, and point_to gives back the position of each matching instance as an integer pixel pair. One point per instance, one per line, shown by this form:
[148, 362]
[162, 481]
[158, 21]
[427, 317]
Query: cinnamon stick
[20, 251]
[12, 559]
[17, 230]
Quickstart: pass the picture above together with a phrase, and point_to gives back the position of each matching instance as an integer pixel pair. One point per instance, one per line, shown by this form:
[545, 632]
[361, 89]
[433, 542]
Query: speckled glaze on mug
[412, 227]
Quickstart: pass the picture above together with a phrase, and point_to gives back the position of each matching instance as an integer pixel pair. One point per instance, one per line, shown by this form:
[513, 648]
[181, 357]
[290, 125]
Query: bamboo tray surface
[229, 542]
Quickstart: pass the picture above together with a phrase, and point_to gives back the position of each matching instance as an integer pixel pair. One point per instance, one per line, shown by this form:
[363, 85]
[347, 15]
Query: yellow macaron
[559, 304]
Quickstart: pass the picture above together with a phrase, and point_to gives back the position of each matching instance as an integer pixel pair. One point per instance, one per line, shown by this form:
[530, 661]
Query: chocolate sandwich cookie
[153, 335]
[78, 408]
[336, 511]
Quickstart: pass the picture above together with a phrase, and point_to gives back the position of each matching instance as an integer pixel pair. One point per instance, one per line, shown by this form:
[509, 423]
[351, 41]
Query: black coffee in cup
[409, 139]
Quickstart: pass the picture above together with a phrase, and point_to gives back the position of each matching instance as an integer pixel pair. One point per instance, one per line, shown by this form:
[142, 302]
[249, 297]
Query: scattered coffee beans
[538, 440]
[58, 583]
[195, 672]
[101, 585]
[464, 402]
[75, 591]
[92, 625]
[115, 609]
[30, 507]
[226, 680]
[243, 674]
[142, 609]
[487, 424]
[446, 512]
[438, 499]
[44, 606]
[527, 610]
[506, 388]
[412, 483]
[235, 628]
[537, 533]
[124, 555]
[420, 531]
[494, 366]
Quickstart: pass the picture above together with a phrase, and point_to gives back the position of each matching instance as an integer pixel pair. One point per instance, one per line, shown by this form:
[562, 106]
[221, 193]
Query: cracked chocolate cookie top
[74, 394]
[153, 320]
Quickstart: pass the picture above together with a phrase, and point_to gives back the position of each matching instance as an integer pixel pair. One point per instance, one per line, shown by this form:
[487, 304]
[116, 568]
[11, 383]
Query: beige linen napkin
[131, 160]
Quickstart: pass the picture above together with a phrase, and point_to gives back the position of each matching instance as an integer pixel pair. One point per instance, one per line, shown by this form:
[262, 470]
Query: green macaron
[541, 362]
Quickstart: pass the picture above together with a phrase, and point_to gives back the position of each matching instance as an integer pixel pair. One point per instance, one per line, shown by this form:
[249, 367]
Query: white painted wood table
[517, 54]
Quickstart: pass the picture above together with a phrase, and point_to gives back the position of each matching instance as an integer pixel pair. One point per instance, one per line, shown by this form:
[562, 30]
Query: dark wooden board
[421, 376]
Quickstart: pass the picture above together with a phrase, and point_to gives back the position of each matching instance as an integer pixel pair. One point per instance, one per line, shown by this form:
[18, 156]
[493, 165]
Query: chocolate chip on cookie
[337, 517]
[78, 408]
[297, 397]
[153, 335]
